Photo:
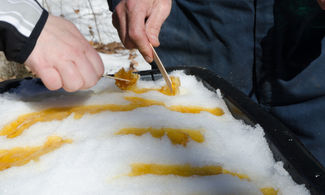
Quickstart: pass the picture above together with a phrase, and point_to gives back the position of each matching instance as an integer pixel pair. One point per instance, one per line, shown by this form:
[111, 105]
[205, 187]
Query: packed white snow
[98, 161]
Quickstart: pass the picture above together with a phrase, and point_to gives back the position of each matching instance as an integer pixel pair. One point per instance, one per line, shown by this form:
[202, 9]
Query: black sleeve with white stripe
[21, 22]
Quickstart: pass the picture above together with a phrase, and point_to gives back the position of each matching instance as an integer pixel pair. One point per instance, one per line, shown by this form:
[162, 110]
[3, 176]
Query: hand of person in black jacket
[138, 23]
[63, 58]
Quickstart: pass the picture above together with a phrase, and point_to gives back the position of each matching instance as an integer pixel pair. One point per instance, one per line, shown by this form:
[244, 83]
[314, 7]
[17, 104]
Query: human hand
[321, 4]
[63, 58]
[138, 23]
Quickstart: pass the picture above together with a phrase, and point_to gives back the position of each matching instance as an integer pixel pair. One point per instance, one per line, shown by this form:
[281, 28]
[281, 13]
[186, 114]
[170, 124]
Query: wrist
[31, 42]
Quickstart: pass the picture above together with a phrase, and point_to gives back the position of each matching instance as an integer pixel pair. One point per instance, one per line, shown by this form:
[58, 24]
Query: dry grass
[109, 48]
[12, 70]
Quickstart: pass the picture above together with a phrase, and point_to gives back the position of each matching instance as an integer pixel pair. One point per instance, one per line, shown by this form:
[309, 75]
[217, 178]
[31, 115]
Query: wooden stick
[116, 78]
[162, 70]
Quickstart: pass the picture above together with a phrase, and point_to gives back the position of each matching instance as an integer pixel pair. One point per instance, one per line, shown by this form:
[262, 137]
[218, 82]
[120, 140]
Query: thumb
[155, 20]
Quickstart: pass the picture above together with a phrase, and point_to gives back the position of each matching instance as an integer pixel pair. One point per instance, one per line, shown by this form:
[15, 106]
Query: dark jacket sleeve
[112, 4]
[20, 26]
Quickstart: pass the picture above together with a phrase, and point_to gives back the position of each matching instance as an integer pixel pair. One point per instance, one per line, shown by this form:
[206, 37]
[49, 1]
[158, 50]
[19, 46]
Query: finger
[119, 21]
[87, 71]
[129, 43]
[50, 78]
[91, 54]
[137, 34]
[95, 61]
[70, 75]
[154, 22]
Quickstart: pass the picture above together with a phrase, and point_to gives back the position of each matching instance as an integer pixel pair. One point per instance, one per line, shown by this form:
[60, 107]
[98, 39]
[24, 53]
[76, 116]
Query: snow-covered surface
[80, 13]
[98, 162]
[96, 25]
[113, 62]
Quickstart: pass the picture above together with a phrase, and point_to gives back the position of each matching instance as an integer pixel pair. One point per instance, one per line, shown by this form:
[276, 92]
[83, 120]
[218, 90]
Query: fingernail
[148, 59]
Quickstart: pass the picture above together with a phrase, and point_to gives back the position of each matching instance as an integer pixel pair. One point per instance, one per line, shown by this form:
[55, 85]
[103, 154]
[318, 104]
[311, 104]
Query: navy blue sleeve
[112, 4]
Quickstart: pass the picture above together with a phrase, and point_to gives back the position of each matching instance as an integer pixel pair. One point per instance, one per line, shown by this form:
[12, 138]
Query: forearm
[21, 23]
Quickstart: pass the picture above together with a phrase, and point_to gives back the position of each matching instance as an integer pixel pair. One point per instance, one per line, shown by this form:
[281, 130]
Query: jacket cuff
[31, 41]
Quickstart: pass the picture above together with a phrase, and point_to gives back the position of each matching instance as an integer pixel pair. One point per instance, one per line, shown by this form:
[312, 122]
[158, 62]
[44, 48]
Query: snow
[98, 161]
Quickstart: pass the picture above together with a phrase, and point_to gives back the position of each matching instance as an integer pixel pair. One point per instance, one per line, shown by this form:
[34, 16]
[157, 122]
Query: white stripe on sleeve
[16, 23]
